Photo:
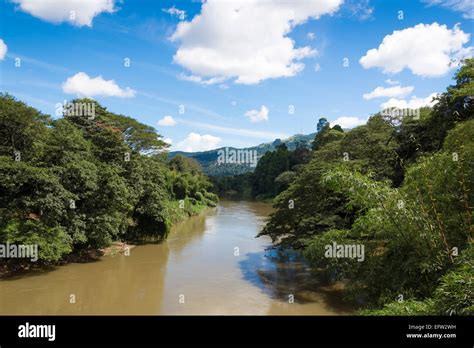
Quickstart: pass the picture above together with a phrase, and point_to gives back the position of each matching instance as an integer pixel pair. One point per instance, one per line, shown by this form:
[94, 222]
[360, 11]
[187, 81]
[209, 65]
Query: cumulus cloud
[311, 36]
[3, 49]
[426, 49]
[77, 12]
[466, 7]
[395, 91]
[348, 122]
[168, 141]
[258, 116]
[196, 142]
[247, 40]
[167, 121]
[83, 85]
[412, 103]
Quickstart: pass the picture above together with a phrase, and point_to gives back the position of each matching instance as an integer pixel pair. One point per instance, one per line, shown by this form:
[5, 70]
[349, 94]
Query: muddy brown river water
[210, 264]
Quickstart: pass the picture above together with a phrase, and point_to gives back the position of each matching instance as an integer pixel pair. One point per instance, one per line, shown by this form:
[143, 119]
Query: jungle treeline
[84, 181]
[401, 187]
[272, 175]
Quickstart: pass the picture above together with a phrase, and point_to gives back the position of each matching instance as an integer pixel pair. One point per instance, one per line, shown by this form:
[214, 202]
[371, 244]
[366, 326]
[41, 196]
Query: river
[211, 264]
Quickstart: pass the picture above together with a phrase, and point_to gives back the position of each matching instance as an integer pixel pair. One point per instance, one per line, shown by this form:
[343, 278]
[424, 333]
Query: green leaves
[403, 189]
[21, 127]
[269, 167]
[83, 182]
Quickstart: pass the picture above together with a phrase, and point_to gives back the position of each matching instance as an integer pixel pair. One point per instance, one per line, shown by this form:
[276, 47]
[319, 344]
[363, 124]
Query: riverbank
[179, 211]
[237, 197]
[13, 267]
[211, 261]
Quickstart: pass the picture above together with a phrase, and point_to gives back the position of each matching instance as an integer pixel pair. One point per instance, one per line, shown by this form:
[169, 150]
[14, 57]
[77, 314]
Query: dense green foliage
[83, 182]
[274, 173]
[401, 188]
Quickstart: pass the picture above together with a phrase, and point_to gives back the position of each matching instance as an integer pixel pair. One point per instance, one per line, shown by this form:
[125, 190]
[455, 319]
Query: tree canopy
[402, 188]
[83, 182]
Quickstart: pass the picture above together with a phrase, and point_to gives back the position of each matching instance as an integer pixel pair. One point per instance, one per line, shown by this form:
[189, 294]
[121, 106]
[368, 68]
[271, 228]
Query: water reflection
[197, 261]
[279, 274]
[286, 277]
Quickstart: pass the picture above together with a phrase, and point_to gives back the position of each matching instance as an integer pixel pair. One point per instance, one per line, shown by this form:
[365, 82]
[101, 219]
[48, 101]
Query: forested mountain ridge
[78, 182]
[211, 167]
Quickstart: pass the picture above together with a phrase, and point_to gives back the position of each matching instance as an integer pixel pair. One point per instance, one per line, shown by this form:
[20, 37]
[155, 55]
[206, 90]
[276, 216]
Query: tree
[185, 164]
[84, 182]
[301, 155]
[322, 124]
[322, 137]
[270, 165]
[21, 127]
[453, 106]
[139, 137]
[338, 128]
[402, 190]
[32, 205]
[285, 179]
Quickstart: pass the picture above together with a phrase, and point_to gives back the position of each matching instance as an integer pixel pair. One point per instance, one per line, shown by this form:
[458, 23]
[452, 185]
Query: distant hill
[210, 166]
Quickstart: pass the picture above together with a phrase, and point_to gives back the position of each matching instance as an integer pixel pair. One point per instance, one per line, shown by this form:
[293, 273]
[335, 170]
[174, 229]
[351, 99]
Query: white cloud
[181, 14]
[167, 121]
[258, 116]
[246, 40]
[82, 85]
[395, 91]
[464, 6]
[425, 49]
[196, 142]
[3, 49]
[392, 82]
[77, 12]
[168, 141]
[317, 67]
[412, 103]
[348, 122]
[311, 36]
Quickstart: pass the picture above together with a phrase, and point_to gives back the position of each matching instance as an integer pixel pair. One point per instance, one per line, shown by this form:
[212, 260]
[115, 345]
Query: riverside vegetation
[398, 186]
[402, 187]
[79, 183]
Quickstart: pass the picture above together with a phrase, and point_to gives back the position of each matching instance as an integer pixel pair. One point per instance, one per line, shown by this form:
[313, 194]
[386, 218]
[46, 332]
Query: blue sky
[236, 68]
